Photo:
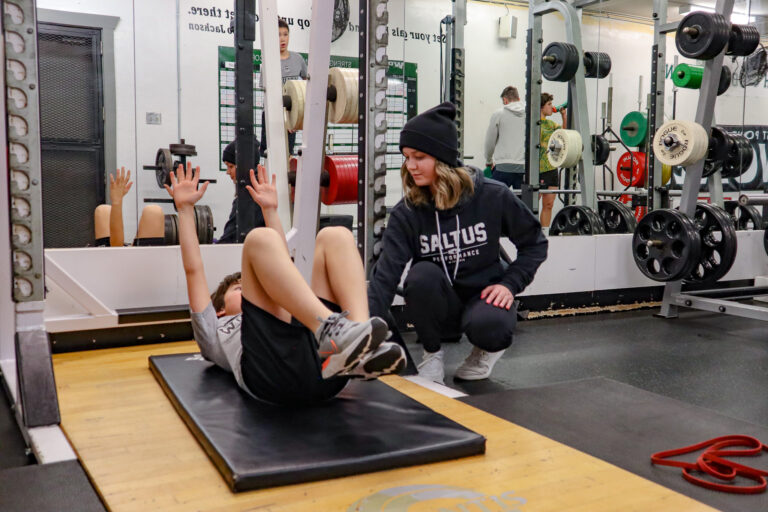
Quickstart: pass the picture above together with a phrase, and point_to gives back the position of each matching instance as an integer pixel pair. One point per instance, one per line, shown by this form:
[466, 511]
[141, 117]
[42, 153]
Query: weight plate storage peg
[680, 143]
[576, 220]
[601, 149]
[743, 40]
[745, 216]
[559, 62]
[634, 129]
[596, 64]
[616, 216]
[702, 35]
[564, 148]
[718, 244]
[630, 171]
[666, 245]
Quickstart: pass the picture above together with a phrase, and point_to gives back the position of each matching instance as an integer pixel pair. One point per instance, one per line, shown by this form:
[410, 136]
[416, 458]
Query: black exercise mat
[624, 425]
[56, 487]
[368, 427]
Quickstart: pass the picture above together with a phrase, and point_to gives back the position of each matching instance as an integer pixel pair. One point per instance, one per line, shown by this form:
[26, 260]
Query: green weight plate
[634, 129]
[687, 76]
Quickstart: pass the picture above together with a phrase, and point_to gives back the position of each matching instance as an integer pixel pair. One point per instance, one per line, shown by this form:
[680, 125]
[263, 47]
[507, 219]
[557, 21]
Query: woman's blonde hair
[450, 184]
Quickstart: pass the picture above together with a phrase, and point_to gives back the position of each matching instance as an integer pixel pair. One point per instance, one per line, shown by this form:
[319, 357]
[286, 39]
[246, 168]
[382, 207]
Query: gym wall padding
[368, 427]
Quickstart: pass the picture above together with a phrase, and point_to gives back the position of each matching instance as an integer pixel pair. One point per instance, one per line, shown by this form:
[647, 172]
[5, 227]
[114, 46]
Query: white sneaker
[431, 366]
[478, 365]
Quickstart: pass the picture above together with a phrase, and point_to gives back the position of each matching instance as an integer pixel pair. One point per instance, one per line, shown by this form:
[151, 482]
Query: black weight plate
[718, 244]
[564, 64]
[711, 167]
[596, 64]
[576, 220]
[739, 157]
[616, 217]
[765, 241]
[720, 143]
[164, 165]
[666, 245]
[745, 217]
[710, 34]
[725, 80]
[204, 223]
[171, 229]
[743, 40]
[183, 149]
[601, 150]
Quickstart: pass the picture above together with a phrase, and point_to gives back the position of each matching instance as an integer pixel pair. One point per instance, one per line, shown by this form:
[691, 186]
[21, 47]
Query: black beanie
[434, 132]
[230, 155]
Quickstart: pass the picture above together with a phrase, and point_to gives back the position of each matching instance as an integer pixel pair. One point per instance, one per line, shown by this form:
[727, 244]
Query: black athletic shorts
[549, 179]
[280, 362]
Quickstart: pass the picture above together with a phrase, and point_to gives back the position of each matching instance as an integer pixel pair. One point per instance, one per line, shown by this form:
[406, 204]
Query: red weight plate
[630, 170]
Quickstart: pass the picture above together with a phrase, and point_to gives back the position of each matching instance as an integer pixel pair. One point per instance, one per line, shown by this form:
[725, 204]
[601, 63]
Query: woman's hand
[498, 295]
[119, 185]
[183, 187]
[262, 191]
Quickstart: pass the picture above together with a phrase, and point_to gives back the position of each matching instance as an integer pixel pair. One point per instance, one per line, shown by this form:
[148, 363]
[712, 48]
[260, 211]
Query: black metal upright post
[245, 35]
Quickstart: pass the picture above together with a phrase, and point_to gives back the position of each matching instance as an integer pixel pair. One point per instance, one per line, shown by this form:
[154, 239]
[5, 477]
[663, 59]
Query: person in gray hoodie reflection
[505, 140]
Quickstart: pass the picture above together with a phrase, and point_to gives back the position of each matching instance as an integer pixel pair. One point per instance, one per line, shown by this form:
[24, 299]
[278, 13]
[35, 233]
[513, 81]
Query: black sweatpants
[438, 311]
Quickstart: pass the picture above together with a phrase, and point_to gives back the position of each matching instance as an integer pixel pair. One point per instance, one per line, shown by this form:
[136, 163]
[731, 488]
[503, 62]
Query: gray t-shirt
[220, 341]
[292, 68]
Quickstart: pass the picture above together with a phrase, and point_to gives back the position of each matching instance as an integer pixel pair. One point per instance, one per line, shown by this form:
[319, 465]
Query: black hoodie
[491, 212]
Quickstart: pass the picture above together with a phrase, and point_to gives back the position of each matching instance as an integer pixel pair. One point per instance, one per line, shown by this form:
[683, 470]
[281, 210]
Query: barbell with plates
[171, 236]
[576, 220]
[717, 234]
[616, 216]
[204, 223]
[743, 40]
[745, 216]
[165, 163]
[601, 149]
[680, 143]
[596, 64]
[666, 245]
[689, 77]
[559, 61]
[564, 148]
[702, 35]
[634, 129]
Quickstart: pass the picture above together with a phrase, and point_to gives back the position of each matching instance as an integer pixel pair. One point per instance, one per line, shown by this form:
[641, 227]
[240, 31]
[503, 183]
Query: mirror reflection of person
[108, 218]
[548, 175]
[505, 140]
[229, 157]
[292, 67]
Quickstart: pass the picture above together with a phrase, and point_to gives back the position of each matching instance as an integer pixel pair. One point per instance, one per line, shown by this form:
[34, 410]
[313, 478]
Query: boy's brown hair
[282, 24]
[217, 297]
[546, 98]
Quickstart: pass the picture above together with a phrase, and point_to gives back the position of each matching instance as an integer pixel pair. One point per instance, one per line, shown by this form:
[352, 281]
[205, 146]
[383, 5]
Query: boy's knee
[334, 235]
[152, 211]
[102, 210]
[261, 236]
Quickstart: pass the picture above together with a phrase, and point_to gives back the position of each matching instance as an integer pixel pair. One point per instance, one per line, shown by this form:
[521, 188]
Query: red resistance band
[712, 462]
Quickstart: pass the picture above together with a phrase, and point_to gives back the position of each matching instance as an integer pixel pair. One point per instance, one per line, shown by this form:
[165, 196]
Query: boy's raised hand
[119, 185]
[262, 191]
[183, 187]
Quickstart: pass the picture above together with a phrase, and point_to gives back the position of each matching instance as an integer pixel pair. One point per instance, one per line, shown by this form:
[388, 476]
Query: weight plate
[687, 76]
[720, 143]
[718, 244]
[576, 220]
[745, 217]
[559, 62]
[164, 166]
[171, 235]
[297, 91]
[702, 35]
[204, 223]
[725, 80]
[564, 149]
[634, 129]
[666, 245]
[680, 143]
[344, 109]
[630, 170]
[596, 64]
[765, 241]
[743, 40]
[739, 157]
[666, 174]
[183, 149]
[601, 150]
[711, 167]
[616, 217]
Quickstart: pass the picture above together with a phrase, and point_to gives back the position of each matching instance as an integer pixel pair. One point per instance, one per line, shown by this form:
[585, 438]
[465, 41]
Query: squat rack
[578, 111]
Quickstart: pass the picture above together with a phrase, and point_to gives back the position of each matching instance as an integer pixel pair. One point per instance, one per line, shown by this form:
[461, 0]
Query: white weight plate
[690, 143]
[344, 110]
[564, 148]
[297, 90]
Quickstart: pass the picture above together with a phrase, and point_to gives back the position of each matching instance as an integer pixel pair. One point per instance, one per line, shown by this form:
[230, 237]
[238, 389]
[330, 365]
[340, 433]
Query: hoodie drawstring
[440, 246]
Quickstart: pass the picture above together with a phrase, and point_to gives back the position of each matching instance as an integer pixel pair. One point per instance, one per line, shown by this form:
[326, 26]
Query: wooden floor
[141, 456]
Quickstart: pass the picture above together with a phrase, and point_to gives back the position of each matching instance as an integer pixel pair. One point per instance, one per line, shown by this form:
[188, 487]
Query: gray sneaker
[389, 358]
[343, 343]
[431, 366]
[478, 365]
